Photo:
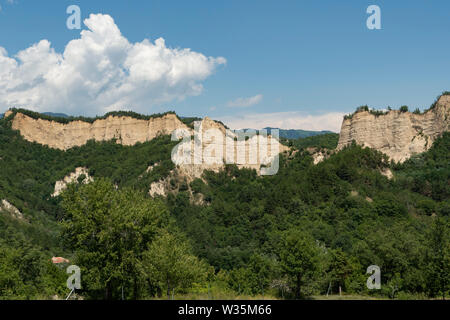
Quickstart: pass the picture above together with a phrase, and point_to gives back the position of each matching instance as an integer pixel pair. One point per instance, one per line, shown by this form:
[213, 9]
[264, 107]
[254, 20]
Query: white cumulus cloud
[286, 120]
[245, 102]
[101, 71]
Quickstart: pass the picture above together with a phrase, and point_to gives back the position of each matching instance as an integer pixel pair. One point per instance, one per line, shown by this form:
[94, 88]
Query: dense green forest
[324, 141]
[307, 231]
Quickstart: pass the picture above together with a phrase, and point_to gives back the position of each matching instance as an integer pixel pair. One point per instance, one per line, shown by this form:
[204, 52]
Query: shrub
[403, 109]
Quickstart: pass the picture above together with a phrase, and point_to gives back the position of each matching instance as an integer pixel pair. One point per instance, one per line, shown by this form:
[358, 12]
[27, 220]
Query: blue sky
[293, 64]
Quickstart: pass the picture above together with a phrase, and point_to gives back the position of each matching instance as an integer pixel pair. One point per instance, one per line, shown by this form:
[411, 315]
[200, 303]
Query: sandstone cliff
[61, 185]
[127, 130]
[219, 146]
[397, 134]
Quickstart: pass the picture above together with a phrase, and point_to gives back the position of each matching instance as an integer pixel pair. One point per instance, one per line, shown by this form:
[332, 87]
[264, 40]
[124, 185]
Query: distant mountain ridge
[296, 133]
[56, 114]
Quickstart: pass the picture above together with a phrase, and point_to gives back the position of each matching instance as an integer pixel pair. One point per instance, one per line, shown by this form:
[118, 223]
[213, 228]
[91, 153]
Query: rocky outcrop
[212, 147]
[158, 188]
[216, 146]
[127, 130]
[387, 173]
[318, 154]
[61, 185]
[5, 206]
[397, 134]
[254, 152]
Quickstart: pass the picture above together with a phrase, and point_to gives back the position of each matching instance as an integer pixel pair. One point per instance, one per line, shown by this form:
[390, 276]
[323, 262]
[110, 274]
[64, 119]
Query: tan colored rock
[127, 130]
[150, 168]
[387, 173]
[7, 113]
[318, 154]
[397, 134]
[61, 185]
[216, 146]
[210, 152]
[158, 189]
[6, 206]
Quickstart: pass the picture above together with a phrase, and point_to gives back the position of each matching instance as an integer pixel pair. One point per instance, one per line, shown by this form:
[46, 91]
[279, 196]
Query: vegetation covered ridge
[65, 120]
[307, 231]
[403, 108]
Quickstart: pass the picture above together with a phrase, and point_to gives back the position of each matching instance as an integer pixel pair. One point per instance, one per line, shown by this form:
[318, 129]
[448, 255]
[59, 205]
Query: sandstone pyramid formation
[129, 131]
[397, 134]
[63, 136]
[217, 145]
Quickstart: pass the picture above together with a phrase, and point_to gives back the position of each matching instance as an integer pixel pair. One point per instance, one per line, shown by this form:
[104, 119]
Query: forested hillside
[306, 231]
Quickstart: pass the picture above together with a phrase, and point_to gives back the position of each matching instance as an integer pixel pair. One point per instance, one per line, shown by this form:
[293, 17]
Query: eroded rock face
[387, 173]
[61, 185]
[318, 154]
[397, 134]
[6, 206]
[216, 146]
[158, 189]
[127, 130]
[212, 147]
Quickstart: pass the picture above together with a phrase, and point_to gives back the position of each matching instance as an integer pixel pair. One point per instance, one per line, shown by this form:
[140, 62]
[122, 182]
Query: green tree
[404, 108]
[263, 270]
[438, 259]
[108, 230]
[11, 284]
[340, 268]
[299, 258]
[169, 262]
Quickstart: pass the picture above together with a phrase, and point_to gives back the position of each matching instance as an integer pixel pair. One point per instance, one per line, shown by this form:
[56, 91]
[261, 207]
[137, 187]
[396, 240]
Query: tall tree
[438, 258]
[299, 258]
[340, 267]
[109, 230]
[169, 261]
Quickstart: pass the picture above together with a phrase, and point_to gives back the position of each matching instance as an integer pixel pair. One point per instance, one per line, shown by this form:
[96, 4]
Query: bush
[403, 109]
